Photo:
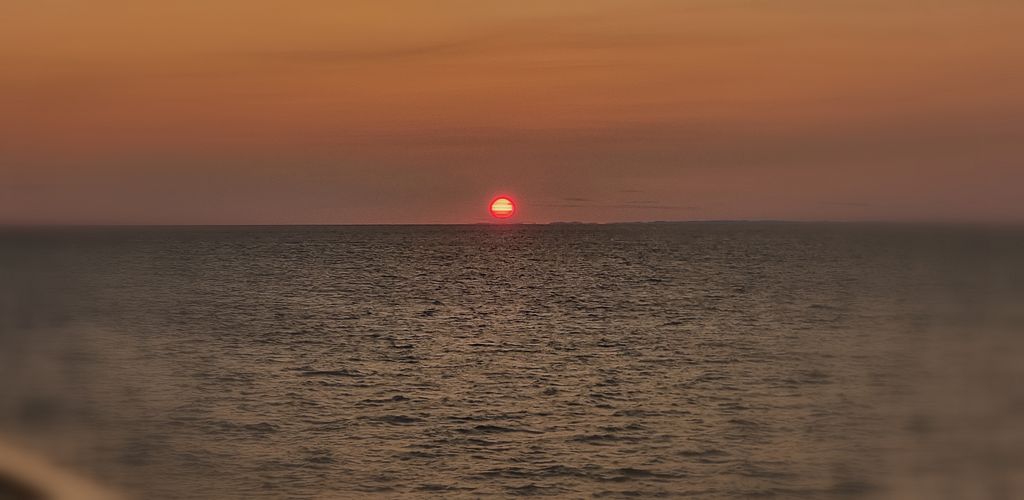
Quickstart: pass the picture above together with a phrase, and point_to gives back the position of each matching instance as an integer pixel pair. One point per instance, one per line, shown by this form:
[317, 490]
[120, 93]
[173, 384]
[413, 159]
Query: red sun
[502, 207]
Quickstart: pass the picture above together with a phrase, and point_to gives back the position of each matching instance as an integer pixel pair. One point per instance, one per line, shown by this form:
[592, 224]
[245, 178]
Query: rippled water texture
[715, 360]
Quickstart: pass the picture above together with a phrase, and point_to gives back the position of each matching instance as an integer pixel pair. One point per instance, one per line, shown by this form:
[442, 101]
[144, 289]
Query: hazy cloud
[644, 205]
[532, 39]
[844, 203]
[369, 55]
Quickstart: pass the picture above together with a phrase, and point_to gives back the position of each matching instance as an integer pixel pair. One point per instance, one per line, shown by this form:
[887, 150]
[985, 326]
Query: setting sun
[503, 207]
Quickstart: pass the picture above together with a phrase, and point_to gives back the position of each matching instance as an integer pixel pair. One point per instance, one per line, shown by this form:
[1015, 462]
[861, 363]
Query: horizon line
[893, 222]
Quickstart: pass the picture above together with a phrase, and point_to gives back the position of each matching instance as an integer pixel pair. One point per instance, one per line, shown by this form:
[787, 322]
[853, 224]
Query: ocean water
[713, 360]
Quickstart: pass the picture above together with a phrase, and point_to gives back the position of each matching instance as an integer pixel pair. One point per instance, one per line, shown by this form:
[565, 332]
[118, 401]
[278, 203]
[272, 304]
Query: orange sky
[317, 111]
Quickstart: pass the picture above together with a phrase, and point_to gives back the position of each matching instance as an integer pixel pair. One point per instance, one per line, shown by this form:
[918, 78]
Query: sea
[703, 360]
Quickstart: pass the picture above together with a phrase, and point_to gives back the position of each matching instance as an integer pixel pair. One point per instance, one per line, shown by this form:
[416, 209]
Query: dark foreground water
[713, 360]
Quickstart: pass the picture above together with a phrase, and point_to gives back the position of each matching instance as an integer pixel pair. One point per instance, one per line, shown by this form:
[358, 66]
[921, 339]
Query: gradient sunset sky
[410, 111]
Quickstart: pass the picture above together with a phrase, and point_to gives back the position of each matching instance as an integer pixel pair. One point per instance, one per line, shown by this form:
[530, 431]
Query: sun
[502, 207]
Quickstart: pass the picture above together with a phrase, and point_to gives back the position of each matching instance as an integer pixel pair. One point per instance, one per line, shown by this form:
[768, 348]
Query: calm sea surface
[712, 360]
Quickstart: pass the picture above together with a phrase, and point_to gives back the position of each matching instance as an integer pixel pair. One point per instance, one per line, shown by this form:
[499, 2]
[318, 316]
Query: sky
[405, 111]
